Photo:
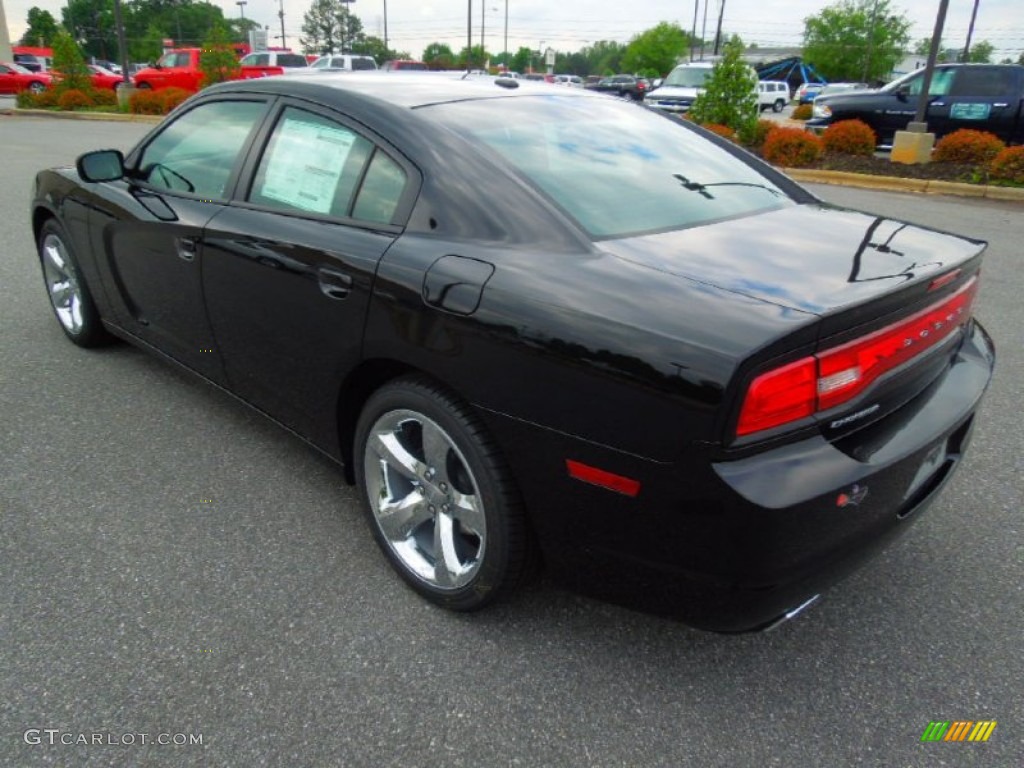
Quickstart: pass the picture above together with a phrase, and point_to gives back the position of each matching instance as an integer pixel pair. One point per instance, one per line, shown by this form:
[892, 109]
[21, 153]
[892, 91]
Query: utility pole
[693, 33]
[970, 33]
[506, 35]
[483, 22]
[6, 54]
[280, 14]
[871, 43]
[718, 31]
[386, 50]
[469, 34]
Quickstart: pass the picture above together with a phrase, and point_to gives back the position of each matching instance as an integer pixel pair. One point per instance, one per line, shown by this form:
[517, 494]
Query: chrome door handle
[187, 247]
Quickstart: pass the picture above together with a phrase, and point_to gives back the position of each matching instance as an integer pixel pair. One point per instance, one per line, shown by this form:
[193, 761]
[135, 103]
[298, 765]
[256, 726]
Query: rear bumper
[735, 545]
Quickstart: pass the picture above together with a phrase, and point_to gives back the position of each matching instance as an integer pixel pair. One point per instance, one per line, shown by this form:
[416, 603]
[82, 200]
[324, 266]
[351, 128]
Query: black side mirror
[903, 93]
[101, 165]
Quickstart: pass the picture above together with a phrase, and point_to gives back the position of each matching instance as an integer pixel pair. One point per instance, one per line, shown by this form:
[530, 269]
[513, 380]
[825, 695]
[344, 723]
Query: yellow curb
[895, 184]
[117, 117]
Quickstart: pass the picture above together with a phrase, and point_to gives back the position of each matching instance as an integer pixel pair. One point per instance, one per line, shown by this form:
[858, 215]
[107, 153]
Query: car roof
[408, 89]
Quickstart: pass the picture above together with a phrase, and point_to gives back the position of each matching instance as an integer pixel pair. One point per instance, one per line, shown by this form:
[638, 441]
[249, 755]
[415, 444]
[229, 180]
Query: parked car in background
[806, 92]
[344, 61]
[180, 68]
[694, 386]
[833, 88]
[986, 97]
[573, 81]
[627, 86]
[772, 94]
[29, 61]
[680, 89]
[14, 78]
[271, 62]
[103, 78]
[539, 77]
[394, 65]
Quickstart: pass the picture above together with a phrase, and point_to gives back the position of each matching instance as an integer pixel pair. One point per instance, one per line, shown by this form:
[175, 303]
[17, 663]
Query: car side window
[381, 190]
[984, 82]
[197, 152]
[312, 164]
[942, 79]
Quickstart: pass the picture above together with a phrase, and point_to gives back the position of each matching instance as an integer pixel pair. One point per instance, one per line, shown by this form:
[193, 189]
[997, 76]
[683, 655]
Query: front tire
[69, 296]
[441, 503]
[36, 87]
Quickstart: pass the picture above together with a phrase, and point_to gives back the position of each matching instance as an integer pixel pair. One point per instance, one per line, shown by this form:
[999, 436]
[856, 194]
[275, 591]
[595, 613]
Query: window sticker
[970, 111]
[305, 164]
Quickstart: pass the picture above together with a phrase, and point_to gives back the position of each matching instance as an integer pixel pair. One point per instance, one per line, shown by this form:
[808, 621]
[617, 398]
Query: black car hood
[813, 258]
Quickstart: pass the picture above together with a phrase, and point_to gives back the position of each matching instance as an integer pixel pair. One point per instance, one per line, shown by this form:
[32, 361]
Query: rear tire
[441, 502]
[778, 105]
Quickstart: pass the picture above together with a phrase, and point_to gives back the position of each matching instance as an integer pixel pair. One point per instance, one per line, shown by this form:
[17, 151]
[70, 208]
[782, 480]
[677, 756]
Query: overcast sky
[568, 25]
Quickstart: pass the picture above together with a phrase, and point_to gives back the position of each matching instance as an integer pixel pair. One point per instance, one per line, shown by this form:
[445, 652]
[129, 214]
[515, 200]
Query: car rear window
[291, 60]
[616, 168]
[363, 63]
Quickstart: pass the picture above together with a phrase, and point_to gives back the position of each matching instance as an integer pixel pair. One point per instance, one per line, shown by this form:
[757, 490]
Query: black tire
[440, 500]
[69, 296]
[36, 87]
[144, 86]
[778, 105]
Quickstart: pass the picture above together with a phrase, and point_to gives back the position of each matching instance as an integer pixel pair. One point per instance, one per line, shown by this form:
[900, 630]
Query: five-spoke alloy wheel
[442, 506]
[68, 294]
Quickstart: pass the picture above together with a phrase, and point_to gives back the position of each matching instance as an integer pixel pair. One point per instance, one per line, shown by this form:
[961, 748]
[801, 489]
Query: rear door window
[316, 165]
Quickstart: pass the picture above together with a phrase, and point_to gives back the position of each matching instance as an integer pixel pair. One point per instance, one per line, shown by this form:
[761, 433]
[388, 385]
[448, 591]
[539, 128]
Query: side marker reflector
[594, 476]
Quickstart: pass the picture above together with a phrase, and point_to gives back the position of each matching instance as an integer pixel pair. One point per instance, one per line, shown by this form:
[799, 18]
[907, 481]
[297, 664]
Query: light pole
[241, 7]
[506, 35]
[386, 27]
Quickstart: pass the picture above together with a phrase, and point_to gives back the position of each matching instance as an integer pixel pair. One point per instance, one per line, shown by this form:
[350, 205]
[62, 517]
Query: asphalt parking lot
[174, 565]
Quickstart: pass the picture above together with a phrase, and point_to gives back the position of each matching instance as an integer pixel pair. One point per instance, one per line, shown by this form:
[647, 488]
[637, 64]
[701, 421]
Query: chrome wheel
[62, 284]
[424, 499]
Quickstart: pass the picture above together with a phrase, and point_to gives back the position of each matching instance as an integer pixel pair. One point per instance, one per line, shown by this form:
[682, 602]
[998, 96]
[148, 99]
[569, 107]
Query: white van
[773, 94]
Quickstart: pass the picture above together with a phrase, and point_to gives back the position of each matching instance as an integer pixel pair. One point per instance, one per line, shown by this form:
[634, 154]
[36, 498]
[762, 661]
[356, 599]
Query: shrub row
[147, 102]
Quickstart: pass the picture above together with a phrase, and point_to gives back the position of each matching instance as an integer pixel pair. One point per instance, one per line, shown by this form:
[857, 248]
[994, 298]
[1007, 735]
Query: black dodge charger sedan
[539, 325]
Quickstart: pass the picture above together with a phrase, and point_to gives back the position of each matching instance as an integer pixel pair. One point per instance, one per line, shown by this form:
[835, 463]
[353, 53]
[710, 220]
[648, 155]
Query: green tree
[604, 57]
[655, 51]
[476, 59]
[67, 59]
[1020, 59]
[329, 27]
[856, 40]
[981, 52]
[439, 56]
[218, 61]
[42, 28]
[91, 24]
[730, 93]
[370, 45]
[521, 60]
[320, 31]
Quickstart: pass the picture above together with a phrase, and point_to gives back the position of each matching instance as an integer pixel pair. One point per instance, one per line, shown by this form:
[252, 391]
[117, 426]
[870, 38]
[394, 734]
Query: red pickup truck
[180, 69]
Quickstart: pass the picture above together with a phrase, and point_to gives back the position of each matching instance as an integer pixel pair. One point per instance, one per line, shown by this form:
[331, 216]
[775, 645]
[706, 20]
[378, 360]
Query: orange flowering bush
[74, 99]
[145, 102]
[849, 137]
[791, 147]
[967, 146]
[1008, 165]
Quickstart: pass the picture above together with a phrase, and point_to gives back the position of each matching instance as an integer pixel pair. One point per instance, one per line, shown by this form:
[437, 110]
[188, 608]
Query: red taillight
[835, 376]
